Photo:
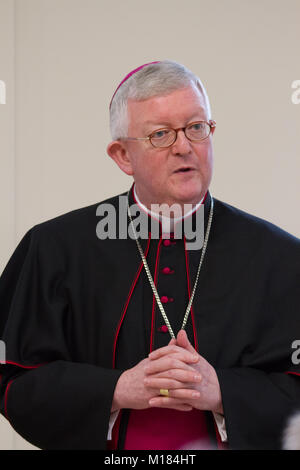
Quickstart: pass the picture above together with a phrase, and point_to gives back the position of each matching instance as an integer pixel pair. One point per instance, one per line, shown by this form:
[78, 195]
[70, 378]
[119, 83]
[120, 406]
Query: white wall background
[61, 61]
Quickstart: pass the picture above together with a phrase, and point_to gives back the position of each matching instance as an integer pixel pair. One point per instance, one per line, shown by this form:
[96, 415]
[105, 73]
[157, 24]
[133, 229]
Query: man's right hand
[130, 391]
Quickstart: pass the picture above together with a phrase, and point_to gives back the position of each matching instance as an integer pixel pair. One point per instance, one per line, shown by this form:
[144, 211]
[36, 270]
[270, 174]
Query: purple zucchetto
[130, 74]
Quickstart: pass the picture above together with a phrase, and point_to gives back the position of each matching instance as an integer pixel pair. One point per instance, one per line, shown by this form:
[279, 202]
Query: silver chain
[161, 308]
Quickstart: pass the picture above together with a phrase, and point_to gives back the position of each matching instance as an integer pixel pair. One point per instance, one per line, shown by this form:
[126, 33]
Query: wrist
[220, 411]
[219, 408]
[117, 401]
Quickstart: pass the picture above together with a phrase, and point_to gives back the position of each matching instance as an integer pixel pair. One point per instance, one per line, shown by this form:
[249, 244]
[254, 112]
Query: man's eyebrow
[156, 123]
[168, 124]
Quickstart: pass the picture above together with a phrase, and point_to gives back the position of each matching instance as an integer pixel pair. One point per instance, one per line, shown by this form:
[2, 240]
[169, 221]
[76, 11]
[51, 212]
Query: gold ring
[164, 392]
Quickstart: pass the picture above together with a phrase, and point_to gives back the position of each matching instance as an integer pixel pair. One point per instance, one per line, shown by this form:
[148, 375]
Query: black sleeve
[257, 406]
[262, 390]
[50, 400]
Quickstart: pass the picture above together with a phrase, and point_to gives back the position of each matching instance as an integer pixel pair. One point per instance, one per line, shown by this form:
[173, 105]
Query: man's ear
[213, 128]
[119, 153]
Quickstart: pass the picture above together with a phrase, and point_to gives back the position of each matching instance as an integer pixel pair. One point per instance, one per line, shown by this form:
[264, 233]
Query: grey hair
[155, 79]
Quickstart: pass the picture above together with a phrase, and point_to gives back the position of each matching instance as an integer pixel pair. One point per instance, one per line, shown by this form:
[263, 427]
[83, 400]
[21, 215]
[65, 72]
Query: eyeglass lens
[166, 137]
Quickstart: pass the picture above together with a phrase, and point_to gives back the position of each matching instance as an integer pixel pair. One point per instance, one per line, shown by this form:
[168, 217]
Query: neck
[168, 215]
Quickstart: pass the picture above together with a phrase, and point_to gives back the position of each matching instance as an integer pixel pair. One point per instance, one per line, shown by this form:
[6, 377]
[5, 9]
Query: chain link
[161, 308]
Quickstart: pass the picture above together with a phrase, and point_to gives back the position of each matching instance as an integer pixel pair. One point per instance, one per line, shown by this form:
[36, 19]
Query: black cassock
[76, 311]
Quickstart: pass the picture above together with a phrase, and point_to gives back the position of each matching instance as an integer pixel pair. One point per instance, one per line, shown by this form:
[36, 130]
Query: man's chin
[188, 190]
[189, 196]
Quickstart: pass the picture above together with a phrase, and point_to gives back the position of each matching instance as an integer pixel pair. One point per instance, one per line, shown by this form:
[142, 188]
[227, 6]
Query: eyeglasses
[165, 137]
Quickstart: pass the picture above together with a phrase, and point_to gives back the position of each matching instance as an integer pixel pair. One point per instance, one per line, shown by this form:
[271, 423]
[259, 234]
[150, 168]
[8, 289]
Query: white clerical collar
[166, 222]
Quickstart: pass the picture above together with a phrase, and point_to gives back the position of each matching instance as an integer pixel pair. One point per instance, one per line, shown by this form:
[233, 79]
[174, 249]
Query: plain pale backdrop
[61, 61]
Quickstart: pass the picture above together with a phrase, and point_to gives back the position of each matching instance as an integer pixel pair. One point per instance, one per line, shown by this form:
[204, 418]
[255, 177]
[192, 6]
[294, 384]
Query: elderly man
[141, 343]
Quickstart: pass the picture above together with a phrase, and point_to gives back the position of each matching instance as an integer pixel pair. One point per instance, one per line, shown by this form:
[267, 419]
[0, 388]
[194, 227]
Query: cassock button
[167, 242]
[163, 329]
[164, 299]
[167, 270]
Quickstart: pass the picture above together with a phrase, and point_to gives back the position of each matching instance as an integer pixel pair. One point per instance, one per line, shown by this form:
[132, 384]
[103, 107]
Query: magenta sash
[166, 429]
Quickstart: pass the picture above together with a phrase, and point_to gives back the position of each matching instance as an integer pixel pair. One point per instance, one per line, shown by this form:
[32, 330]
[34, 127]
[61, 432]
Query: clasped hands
[192, 382]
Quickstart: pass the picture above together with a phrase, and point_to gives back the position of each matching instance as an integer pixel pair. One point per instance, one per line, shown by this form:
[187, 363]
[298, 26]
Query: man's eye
[196, 127]
[160, 134]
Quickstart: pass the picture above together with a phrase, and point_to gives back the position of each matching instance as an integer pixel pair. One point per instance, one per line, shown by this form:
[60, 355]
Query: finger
[183, 341]
[180, 375]
[187, 356]
[184, 394]
[174, 406]
[165, 364]
[169, 349]
[172, 401]
[172, 341]
[161, 382]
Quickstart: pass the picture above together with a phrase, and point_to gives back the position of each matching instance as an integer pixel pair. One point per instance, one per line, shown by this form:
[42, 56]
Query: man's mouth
[185, 169]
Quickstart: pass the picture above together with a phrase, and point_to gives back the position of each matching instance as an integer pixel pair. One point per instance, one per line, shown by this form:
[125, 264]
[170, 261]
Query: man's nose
[182, 145]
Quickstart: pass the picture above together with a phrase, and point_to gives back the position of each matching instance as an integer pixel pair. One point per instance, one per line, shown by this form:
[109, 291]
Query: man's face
[177, 174]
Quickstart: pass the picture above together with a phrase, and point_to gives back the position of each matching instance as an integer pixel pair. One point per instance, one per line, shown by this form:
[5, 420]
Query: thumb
[183, 341]
[172, 341]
